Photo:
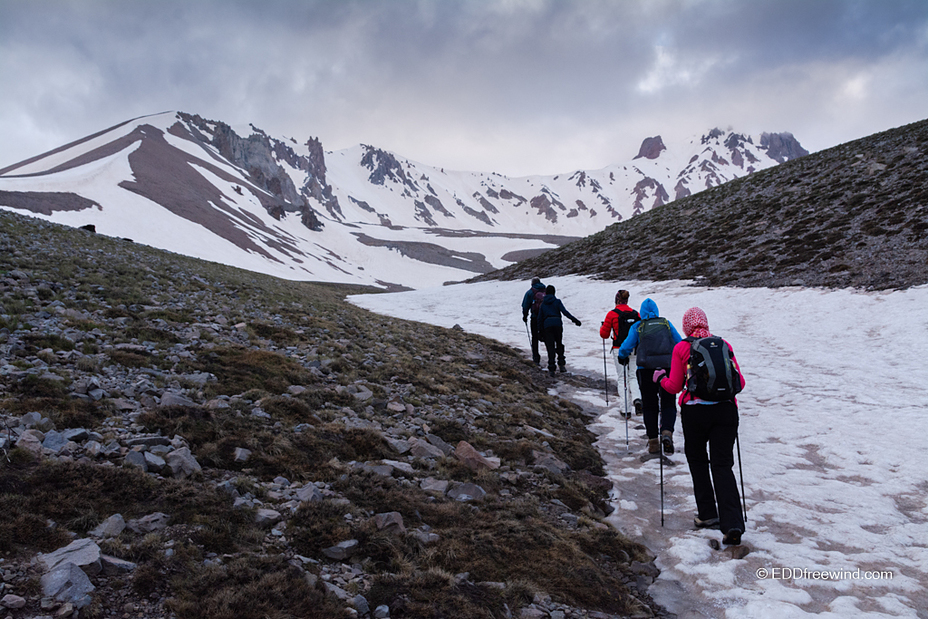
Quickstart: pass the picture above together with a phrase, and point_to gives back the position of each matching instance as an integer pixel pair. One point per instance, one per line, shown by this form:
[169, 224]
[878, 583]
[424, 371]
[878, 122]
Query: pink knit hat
[695, 323]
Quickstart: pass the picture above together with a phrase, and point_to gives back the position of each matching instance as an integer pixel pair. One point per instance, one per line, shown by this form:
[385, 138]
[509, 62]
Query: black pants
[653, 400]
[537, 336]
[715, 425]
[554, 344]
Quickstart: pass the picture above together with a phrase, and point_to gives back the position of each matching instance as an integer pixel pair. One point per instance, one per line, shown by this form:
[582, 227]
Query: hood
[538, 286]
[549, 299]
[648, 309]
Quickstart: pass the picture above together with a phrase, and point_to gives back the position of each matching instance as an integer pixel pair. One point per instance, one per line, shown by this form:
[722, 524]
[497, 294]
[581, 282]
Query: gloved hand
[623, 360]
[524, 318]
[577, 322]
[658, 375]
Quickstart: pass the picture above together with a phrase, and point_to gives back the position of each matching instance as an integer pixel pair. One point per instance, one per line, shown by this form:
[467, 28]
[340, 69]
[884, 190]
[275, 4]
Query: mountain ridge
[356, 215]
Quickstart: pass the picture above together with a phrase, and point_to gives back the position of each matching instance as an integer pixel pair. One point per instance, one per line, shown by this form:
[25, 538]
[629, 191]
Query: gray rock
[360, 604]
[111, 527]
[390, 522]
[116, 567]
[83, 553]
[78, 435]
[424, 449]
[54, 441]
[466, 492]
[341, 550]
[403, 467]
[438, 442]
[149, 523]
[437, 486]
[309, 493]
[175, 399]
[13, 602]
[267, 517]
[69, 584]
[399, 445]
[136, 459]
[182, 463]
[242, 454]
[382, 612]
[148, 441]
[31, 441]
[154, 462]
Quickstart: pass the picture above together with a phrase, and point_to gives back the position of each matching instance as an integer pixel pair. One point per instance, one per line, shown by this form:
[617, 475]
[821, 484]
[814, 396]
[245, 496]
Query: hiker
[531, 303]
[549, 320]
[654, 337]
[708, 422]
[616, 325]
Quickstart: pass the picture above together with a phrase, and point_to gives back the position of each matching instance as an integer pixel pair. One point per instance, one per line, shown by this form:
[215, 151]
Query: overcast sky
[511, 86]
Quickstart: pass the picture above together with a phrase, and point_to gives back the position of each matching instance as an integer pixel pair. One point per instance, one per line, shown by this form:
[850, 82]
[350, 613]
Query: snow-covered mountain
[360, 215]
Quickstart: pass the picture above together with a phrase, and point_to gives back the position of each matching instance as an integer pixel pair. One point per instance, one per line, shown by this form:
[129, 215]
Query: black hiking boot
[732, 538]
[708, 523]
[563, 368]
[637, 405]
[667, 441]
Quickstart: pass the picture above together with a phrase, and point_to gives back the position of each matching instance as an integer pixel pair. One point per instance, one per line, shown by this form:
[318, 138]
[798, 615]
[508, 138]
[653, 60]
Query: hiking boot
[732, 538]
[637, 405]
[626, 414]
[551, 373]
[563, 367]
[667, 441]
[708, 523]
[654, 445]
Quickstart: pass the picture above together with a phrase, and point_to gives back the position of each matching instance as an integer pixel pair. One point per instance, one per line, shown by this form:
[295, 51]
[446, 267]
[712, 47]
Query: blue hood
[648, 309]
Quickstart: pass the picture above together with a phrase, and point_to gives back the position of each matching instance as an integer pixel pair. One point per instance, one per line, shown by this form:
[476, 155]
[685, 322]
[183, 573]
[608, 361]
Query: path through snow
[834, 420]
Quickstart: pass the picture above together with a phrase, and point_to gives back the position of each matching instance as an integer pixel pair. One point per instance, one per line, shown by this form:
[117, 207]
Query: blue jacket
[529, 297]
[550, 313]
[648, 310]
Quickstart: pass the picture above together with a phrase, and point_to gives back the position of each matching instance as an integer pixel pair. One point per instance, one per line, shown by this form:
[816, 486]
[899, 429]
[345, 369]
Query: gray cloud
[515, 86]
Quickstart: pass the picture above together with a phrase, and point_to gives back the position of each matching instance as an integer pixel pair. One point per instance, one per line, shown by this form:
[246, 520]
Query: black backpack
[711, 374]
[625, 322]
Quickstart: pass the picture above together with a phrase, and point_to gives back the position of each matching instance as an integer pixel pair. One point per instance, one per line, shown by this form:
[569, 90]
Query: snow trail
[834, 420]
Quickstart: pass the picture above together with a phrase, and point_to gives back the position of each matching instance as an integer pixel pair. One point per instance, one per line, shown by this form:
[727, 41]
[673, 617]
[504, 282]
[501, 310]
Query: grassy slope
[461, 386]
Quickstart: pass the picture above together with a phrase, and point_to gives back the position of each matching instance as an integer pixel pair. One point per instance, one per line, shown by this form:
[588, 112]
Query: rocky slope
[852, 216]
[185, 439]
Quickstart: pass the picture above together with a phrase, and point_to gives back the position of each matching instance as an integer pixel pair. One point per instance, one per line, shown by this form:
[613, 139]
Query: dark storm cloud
[518, 86]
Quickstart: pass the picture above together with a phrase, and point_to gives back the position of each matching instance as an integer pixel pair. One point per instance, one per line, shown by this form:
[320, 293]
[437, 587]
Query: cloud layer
[513, 86]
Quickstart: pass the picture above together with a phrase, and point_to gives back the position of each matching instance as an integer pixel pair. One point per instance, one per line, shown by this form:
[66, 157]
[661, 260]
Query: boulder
[175, 399]
[149, 523]
[242, 454]
[116, 567]
[267, 517]
[111, 527]
[136, 459]
[473, 460]
[424, 449]
[182, 463]
[13, 602]
[309, 493]
[68, 584]
[83, 553]
[341, 550]
[390, 522]
[466, 492]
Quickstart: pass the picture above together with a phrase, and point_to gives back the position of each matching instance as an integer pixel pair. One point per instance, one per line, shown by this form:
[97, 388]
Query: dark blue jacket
[529, 297]
[550, 313]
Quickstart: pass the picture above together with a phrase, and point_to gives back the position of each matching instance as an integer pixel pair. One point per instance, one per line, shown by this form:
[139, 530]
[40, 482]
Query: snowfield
[834, 420]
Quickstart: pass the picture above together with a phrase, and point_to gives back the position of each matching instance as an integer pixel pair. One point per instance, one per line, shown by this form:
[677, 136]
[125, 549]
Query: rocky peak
[651, 148]
[782, 146]
[383, 166]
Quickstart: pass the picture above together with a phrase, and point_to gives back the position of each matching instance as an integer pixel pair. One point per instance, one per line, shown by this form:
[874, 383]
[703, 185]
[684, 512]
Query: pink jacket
[676, 380]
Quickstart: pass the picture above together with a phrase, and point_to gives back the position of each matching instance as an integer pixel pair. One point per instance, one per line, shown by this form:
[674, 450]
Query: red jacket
[676, 380]
[611, 327]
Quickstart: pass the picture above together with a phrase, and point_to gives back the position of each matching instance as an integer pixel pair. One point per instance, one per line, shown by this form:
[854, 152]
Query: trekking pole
[661, 456]
[605, 375]
[744, 503]
[627, 414]
[528, 335]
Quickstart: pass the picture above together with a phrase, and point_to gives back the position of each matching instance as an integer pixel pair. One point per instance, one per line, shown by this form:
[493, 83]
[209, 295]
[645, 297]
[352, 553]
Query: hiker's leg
[696, 435]
[721, 452]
